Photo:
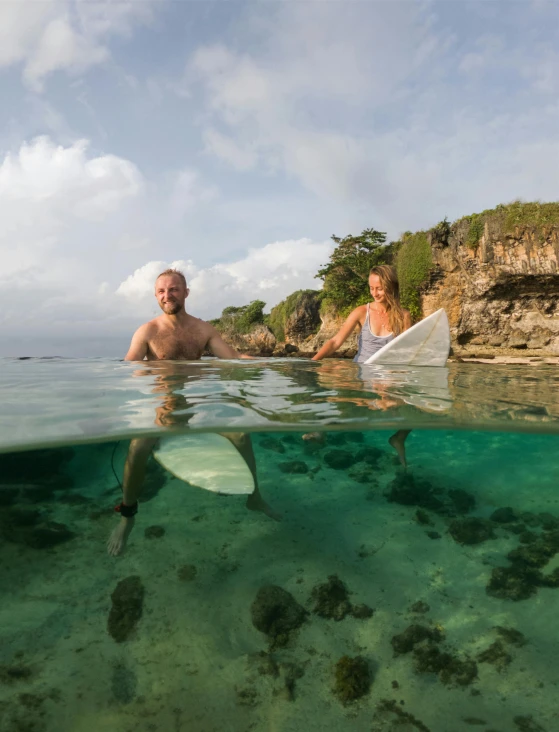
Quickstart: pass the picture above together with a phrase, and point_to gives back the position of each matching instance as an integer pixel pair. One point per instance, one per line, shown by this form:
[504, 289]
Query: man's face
[171, 294]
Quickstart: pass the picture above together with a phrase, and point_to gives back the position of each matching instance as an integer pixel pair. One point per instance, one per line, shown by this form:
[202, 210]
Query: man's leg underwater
[398, 442]
[134, 472]
[255, 502]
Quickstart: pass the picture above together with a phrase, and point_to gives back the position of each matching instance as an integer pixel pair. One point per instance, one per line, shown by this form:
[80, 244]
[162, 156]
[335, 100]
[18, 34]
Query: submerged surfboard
[426, 343]
[208, 461]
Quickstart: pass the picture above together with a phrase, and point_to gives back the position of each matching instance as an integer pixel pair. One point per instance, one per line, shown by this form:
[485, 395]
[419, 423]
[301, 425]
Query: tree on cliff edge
[346, 274]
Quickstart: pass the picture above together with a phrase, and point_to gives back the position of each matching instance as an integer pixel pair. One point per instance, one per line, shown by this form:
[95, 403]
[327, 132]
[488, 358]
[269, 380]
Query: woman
[380, 321]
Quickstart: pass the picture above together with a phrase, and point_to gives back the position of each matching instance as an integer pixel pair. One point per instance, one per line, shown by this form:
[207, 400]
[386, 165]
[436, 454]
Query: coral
[420, 607]
[401, 719]
[127, 607]
[496, 654]
[511, 635]
[462, 501]
[370, 455]
[407, 640]
[339, 459]
[527, 724]
[362, 612]
[513, 583]
[154, 532]
[294, 466]
[422, 517]
[504, 515]
[352, 679]
[450, 669]
[471, 530]
[360, 472]
[410, 491]
[277, 614]
[331, 599]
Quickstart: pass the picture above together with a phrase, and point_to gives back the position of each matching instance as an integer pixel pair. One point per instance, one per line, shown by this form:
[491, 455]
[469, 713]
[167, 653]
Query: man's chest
[184, 345]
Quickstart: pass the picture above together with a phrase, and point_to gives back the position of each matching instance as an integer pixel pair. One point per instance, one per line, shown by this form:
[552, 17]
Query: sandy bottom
[191, 663]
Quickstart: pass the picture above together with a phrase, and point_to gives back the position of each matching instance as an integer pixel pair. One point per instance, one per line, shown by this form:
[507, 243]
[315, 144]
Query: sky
[233, 139]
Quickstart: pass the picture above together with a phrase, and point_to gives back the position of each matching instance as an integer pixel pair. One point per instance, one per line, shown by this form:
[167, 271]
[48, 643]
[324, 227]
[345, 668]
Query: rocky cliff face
[501, 296]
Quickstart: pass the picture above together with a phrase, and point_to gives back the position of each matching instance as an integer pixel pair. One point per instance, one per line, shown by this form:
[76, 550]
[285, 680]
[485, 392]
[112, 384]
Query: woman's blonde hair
[391, 286]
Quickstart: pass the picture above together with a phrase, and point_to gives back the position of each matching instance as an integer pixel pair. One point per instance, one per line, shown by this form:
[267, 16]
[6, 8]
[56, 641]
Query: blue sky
[236, 137]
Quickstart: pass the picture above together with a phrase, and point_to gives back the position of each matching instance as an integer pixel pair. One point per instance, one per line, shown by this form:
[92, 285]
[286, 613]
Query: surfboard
[207, 461]
[426, 343]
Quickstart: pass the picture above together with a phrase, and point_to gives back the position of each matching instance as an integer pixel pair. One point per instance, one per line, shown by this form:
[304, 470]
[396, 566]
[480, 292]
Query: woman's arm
[332, 345]
[407, 320]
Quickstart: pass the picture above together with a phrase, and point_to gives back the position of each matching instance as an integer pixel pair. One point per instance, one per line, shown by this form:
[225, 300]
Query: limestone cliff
[501, 293]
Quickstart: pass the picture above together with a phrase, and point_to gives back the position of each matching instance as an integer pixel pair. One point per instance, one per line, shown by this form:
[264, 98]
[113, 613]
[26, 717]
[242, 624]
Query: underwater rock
[528, 537]
[123, 684]
[450, 669]
[352, 679]
[331, 599]
[407, 640]
[270, 443]
[512, 636]
[360, 472]
[420, 607]
[506, 515]
[402, 719]
[339, 459]
[433, 534]
[187, 573]
[513, 583]
[551, 579]
[409, 491]
[247, 696]
[19, 516]
[297, 467]
[471, 530]
[47, 535]
[15, 673]
[496, 655]
[277, 614]
[527, 724]
[537, 554]
[127, 608]
[461, 500]
[154, 532]
[422, 517]
[530, 519]
[362, 612]
[370, 455]
[265, 663]
[548, 521]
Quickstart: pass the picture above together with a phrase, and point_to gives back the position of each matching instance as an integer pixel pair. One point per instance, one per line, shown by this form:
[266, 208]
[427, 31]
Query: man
[174, 335]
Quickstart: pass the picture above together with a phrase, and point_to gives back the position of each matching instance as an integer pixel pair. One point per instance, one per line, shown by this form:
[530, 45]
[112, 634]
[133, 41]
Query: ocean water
[384, 600]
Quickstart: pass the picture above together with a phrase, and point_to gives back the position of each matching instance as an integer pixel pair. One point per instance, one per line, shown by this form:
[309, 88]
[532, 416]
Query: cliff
[497, 278]
[495, 273]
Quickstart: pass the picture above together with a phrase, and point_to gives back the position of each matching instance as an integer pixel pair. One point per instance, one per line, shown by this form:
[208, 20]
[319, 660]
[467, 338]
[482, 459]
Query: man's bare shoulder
[149, 328]
[202, 325]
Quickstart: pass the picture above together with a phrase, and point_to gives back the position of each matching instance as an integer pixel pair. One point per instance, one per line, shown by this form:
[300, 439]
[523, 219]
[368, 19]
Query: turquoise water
[383, 600]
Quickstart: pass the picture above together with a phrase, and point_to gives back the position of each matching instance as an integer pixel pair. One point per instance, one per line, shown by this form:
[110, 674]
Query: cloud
[384, 104]
[63, 35]
[268, 273]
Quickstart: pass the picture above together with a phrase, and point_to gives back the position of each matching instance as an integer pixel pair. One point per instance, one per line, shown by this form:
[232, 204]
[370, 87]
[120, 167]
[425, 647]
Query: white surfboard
[426, 343]
[206, 460]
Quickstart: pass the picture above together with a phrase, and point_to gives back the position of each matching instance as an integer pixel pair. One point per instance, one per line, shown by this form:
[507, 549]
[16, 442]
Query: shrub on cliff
[301, 300]
[413, 263]
[346, 274]
[240, 319]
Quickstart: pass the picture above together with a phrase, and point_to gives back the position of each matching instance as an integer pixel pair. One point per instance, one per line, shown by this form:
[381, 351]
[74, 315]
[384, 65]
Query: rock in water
[127, 608]
[353, 678]
[276, 613]
[331, 599]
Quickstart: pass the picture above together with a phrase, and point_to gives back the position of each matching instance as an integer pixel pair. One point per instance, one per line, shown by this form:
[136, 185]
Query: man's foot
[255, 502]
[119, 536]
[398, 441]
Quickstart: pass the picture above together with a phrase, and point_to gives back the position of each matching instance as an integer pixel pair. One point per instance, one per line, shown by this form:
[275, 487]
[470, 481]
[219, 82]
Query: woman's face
[376, 289]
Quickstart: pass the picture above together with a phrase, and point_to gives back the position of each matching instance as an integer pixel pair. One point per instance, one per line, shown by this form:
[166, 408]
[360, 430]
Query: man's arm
[219, 348]
[139, 346]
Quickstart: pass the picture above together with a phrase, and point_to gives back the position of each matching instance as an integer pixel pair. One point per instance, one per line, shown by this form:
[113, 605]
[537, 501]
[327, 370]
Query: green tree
[240, 319]
[346, 274]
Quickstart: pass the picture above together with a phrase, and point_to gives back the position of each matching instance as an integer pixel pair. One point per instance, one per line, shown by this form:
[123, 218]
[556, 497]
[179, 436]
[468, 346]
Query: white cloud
[268, 273]
[189, 191]
[63, 35]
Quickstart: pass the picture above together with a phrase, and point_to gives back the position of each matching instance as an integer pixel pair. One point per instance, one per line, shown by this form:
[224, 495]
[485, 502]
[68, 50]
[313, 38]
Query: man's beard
[171, 308]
